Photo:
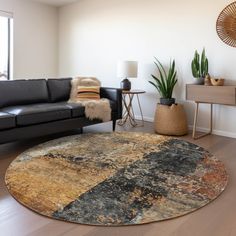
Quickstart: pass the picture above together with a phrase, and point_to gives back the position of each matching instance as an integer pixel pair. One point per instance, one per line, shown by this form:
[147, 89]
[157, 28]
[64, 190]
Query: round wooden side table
[128, 112]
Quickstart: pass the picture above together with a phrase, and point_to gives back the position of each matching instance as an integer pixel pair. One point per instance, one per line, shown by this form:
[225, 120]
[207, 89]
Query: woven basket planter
[171, 120]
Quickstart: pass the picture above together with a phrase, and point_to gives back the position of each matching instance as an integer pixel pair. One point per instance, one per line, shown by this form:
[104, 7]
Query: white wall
[95, 34]
[35, 38]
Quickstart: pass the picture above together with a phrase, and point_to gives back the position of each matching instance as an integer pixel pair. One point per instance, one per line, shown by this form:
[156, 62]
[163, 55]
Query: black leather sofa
[33, 108]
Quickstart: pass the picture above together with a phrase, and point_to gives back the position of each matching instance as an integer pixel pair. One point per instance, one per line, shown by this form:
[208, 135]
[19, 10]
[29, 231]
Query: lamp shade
[127, 69]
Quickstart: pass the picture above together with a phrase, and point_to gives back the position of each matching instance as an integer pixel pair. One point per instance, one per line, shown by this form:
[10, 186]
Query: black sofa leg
[114, 125]
[81, 130]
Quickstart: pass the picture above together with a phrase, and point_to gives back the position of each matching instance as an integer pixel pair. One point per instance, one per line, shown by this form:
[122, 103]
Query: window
[6, 32]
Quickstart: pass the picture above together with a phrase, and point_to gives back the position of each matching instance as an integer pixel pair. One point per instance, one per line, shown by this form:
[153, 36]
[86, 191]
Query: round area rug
[115, 178]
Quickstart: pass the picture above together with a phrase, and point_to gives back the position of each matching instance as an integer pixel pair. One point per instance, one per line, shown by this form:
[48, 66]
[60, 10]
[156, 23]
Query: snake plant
[200, 66]
[166, 80]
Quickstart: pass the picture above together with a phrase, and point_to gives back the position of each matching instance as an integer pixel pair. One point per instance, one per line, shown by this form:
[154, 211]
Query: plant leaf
[162, 78]
[166, 81]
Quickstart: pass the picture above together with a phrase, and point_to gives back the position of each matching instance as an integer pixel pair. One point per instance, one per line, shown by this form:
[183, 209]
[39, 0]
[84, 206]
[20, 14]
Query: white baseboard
[199, 129]
[215, 131]
[148, 119]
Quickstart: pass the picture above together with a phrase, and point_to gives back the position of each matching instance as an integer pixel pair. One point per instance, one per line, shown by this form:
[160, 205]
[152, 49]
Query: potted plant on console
[170, 118]
[199, 67]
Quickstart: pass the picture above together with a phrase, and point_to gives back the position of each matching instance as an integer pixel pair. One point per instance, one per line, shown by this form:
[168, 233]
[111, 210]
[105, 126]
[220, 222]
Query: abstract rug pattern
[118, 178]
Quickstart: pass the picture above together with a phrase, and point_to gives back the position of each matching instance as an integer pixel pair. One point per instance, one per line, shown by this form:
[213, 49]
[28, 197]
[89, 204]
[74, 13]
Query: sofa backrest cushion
[59, 89]
[21, 92]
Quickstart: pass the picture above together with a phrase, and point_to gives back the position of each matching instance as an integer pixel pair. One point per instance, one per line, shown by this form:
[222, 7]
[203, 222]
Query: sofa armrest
[115, 95]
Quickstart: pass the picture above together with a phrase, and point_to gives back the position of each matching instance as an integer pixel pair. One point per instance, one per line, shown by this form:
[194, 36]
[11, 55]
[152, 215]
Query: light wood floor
[216, 219]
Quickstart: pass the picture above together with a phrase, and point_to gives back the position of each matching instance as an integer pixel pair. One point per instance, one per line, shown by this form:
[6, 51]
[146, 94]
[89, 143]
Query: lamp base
[125, 84]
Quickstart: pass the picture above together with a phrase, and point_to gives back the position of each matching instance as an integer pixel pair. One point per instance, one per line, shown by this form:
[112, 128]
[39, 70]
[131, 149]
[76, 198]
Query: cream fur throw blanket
[94, 109]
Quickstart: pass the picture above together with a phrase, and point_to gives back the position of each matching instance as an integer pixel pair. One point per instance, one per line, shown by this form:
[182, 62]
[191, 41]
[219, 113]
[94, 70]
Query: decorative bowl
[217, 82]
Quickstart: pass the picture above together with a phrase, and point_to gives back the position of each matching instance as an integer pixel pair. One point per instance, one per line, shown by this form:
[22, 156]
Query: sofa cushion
[88, 93]
[20, 92]
[59, 89]
[38, 113]
[77, 110]
[7, 121]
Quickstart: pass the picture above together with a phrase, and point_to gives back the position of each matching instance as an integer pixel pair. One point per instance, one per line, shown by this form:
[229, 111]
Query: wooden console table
[222, 95]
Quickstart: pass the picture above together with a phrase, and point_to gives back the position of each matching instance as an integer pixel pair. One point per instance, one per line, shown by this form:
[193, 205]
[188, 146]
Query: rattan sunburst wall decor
[226, 25]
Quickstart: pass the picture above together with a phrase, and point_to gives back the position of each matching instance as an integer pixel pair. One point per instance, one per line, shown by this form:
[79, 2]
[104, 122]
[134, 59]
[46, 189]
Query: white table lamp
[125, 70]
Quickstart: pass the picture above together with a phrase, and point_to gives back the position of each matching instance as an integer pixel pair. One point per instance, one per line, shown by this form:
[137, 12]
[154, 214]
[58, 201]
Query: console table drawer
[225, 95]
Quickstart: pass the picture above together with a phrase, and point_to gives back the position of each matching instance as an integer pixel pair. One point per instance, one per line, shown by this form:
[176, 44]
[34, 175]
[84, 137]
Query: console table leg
[195, 122]
[211, 119]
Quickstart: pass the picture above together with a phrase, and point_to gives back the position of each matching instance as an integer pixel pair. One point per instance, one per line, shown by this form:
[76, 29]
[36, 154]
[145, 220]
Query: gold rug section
[40, 179]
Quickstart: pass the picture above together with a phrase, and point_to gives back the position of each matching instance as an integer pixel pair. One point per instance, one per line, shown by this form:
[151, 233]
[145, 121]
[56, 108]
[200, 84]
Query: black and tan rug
[115, 178]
